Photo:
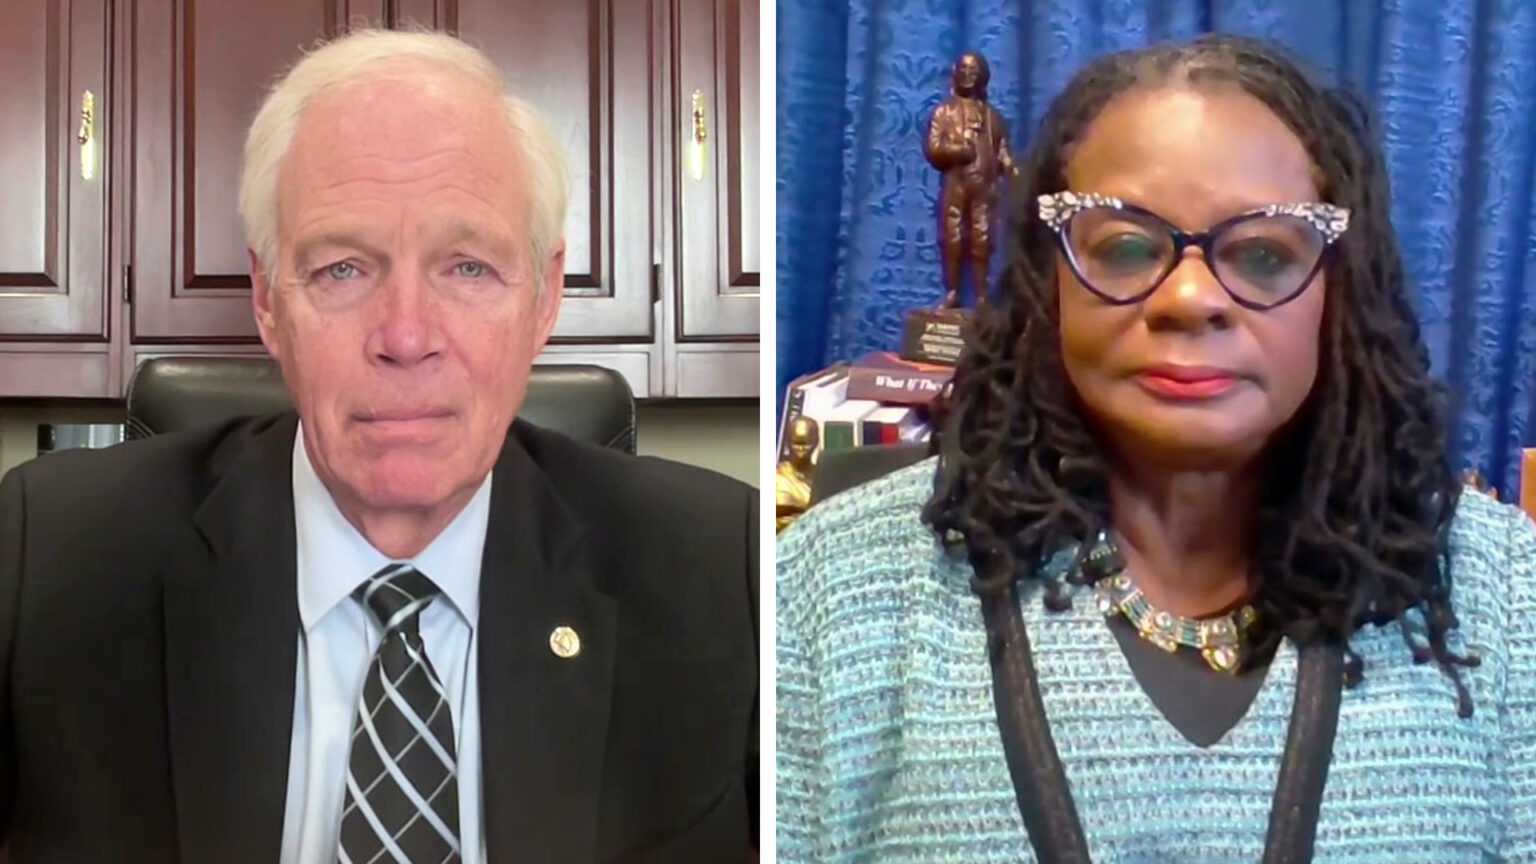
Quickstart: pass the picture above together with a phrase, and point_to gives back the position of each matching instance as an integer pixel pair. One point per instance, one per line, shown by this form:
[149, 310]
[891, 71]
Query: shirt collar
[334, 557]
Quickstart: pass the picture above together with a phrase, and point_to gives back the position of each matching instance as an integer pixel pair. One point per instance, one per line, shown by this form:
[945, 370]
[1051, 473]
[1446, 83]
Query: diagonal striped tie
[402, 800]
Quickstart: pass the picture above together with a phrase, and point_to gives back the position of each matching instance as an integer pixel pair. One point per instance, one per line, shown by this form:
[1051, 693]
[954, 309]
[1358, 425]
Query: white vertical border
[767, 398]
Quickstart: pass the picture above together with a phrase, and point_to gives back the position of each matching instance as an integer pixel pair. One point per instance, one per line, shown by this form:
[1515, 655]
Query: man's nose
[406, 332]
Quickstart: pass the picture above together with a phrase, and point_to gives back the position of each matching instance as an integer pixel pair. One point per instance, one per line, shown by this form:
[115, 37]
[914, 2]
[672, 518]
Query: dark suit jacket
[148, 645]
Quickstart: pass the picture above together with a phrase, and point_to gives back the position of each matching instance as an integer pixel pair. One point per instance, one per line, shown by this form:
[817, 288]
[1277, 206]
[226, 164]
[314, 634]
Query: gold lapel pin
[564, 642]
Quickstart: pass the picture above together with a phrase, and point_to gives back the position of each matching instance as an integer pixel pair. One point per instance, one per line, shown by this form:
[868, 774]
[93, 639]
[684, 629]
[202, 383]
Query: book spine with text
[896, 386]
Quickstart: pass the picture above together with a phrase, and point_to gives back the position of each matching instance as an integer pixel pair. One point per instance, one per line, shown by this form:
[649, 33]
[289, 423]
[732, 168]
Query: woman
[1190, 579]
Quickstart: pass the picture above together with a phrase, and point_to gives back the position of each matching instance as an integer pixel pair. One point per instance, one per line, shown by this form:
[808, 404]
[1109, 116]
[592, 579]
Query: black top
[1201, 702]
[1040, 784]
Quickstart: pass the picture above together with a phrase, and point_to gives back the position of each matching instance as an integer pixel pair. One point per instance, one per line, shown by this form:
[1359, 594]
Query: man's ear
[261, 304]
[551, 289]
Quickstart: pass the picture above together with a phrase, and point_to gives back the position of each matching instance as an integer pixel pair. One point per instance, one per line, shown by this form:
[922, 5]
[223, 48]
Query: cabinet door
[201, 68]
[53, 163]
[586, 67]
[717, 128]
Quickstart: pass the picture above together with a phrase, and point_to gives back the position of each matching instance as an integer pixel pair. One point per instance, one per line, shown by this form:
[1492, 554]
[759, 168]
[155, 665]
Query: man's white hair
[355, 58]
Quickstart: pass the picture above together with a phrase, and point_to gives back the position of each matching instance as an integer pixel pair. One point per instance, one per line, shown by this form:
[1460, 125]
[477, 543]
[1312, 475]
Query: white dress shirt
[337, 643]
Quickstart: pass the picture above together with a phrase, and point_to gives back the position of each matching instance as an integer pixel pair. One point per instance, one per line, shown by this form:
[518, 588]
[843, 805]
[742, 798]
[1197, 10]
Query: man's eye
[470, 269]
[341, 270]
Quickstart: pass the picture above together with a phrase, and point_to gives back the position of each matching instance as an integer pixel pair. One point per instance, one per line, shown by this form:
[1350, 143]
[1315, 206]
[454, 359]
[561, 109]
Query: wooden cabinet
[201, 68]
[53, 100]
[661, 267]
[716, 123]
[212, 64]
[586, 67]
[53, 195]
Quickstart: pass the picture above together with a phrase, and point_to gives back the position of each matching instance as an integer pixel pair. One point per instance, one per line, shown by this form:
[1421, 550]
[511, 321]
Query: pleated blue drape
[1453, 83]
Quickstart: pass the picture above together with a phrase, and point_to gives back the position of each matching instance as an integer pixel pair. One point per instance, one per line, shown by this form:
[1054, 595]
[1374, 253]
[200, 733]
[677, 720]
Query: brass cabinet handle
[700, 135]
[700, 126]
[87, 135]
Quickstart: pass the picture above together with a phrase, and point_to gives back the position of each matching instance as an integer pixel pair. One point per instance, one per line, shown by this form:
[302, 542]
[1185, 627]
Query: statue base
[934, 335]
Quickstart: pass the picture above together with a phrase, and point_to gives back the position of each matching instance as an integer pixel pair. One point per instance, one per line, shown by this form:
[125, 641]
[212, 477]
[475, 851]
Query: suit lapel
[543, 717]
[231, 631]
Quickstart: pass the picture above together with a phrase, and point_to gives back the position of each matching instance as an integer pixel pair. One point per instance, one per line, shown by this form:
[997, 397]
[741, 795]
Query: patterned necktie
[402, 780]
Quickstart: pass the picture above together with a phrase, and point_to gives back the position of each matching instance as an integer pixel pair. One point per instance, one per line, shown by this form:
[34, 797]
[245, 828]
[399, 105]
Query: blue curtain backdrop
[1453, 83]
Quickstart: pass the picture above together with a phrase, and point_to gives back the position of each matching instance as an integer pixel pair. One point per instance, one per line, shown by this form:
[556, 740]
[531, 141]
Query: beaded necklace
[1220, 639]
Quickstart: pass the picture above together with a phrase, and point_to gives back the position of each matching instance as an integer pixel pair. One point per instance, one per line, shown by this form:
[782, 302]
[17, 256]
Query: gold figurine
[792, 480]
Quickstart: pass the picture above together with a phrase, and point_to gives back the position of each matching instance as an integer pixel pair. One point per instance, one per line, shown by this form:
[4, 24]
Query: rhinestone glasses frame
[1058, 209]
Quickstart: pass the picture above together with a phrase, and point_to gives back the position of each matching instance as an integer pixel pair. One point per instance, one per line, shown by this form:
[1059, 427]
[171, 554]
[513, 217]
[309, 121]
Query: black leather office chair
[588, 403]
[841, 470]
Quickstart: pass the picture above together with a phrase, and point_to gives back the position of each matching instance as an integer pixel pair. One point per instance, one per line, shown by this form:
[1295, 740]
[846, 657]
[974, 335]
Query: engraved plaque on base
[933, 335]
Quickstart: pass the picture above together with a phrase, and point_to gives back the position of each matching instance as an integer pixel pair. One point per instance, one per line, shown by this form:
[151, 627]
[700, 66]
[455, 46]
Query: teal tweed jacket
[889, 748]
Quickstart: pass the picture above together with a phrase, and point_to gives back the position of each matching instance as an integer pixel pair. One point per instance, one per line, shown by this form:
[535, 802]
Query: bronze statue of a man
[968, 142]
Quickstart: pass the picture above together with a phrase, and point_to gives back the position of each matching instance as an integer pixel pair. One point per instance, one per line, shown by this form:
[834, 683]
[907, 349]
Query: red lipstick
[1186, 382]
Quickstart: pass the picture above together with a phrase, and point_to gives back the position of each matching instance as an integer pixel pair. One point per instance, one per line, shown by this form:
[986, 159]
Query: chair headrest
[588, 403]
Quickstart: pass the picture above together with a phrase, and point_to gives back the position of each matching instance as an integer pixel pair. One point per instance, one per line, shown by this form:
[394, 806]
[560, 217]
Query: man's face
[802, 443]
[967, 74]
[403, 307]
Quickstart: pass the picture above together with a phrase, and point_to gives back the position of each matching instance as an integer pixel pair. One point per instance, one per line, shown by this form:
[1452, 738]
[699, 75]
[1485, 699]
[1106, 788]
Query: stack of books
[877, 399]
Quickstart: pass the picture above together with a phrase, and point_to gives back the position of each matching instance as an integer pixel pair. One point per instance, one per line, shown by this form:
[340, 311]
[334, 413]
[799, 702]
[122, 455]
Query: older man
[383, 628]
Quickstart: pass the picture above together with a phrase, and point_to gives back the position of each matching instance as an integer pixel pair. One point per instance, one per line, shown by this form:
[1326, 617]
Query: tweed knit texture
[889, 750]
